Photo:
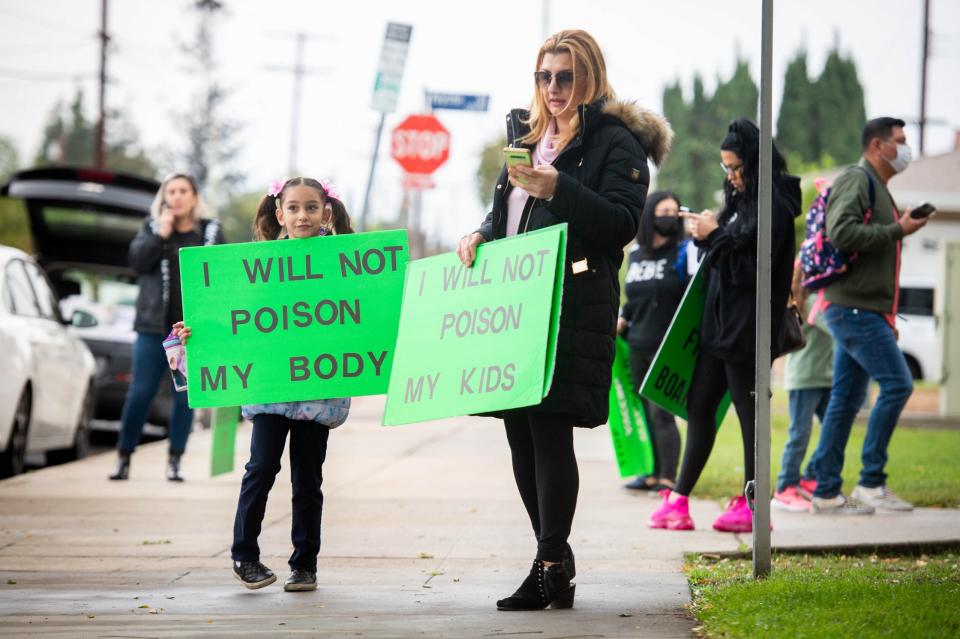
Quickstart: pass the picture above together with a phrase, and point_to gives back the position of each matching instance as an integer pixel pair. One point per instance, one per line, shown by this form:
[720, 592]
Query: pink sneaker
[736, 518]
[790, 499]
[807, 487]
[672, 515]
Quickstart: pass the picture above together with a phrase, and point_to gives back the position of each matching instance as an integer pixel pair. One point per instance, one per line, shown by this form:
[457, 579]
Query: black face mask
[667, 226]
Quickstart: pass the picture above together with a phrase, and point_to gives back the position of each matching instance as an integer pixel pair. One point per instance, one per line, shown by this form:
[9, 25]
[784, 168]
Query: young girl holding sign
[296, 208]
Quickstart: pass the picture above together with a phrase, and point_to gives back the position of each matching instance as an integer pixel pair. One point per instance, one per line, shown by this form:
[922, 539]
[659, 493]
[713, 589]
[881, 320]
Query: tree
[68, 139]
[841, 109]
[491, 163]
[9, 158]
[797, 122]
[210, 144]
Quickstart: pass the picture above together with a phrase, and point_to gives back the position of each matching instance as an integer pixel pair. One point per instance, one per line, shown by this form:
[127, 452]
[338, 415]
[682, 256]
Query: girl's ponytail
[341, 219]
[265, 224]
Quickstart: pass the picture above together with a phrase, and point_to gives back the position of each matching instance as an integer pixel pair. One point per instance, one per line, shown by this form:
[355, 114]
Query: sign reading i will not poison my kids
[292, 320]
[482, 338]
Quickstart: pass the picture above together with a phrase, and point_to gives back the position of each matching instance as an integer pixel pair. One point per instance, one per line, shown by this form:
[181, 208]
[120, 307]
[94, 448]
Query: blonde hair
[199, 210]
[589, 72]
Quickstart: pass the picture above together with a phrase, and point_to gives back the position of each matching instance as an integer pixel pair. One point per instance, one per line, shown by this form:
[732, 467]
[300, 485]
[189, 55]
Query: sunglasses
[564, 78]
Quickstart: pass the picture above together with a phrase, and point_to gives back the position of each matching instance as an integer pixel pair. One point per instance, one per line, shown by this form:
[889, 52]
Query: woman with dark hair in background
[728, 328]
[655, 281]
[176, 221]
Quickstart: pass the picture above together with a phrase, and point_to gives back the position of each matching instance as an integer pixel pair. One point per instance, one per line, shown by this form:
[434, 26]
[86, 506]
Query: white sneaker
[881, 498]
[840, 505]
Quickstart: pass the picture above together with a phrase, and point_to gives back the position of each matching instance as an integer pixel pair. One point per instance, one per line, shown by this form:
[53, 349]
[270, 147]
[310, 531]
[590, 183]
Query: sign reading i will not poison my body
[478, 339]
[292, 320]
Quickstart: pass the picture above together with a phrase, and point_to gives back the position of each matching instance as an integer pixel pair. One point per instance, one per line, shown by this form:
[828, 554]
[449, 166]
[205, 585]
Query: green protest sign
[223, 442]
[668, 380]
[478, 339]
[628, 422]
[292, 320]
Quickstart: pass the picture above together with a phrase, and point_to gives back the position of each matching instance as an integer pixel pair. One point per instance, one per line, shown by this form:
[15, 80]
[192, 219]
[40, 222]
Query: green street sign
[478, 339]
[292, 320]
[668, 381]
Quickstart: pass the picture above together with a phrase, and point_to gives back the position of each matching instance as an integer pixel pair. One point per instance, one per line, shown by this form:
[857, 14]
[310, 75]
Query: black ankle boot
[568, 562]
[122, 469]
[543, 587]
[173, 468]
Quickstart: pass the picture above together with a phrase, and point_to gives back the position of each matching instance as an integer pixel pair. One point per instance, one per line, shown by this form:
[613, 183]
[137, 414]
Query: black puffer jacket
[149, 256]
[728, 329]
[600, 193]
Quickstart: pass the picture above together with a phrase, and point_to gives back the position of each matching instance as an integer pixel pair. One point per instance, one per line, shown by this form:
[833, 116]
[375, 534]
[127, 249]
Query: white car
[48, 391]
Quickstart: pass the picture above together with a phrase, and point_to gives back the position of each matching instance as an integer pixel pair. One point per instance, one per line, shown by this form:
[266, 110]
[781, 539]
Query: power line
[39, 20]
[42, 76]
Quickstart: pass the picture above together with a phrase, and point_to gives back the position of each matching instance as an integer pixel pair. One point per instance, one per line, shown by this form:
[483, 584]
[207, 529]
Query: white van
[917, 326]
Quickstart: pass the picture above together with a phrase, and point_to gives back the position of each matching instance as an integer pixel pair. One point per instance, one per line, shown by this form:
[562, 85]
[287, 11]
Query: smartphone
[518, 156]
[925, 209]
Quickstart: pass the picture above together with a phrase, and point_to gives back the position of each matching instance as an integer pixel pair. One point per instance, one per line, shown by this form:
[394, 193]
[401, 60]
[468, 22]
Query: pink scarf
[544, 153]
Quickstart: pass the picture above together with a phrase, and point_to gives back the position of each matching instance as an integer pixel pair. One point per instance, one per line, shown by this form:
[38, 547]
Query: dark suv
[81, 223]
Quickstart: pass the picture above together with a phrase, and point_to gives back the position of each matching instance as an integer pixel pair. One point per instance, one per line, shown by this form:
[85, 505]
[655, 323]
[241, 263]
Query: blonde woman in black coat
[589, 170]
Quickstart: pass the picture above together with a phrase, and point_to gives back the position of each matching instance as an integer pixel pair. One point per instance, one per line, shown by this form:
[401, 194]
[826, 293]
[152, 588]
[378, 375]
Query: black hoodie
[729, 315]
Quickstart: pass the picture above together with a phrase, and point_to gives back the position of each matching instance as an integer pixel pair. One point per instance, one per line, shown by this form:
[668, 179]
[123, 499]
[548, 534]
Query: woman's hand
[467, 248]
[621, 325]
[700, 225]
[166, 222]
[541, 181]
[182, 332]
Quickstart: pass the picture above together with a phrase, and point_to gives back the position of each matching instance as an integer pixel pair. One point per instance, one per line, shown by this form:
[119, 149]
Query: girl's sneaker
[807, 488]
[791, 500]
[673, 515]
[736, 518]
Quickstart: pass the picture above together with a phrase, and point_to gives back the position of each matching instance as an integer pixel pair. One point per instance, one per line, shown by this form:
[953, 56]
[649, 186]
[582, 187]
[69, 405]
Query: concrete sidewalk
[423, 531]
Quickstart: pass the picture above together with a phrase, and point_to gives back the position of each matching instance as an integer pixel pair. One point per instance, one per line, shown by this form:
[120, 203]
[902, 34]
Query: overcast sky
[489, 47]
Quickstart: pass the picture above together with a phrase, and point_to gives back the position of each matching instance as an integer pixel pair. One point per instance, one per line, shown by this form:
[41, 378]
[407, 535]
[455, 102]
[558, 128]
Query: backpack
[821, 262]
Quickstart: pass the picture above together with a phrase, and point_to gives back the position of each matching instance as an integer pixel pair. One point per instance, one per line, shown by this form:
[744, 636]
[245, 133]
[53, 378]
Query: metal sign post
[386, 91]
[759, 489]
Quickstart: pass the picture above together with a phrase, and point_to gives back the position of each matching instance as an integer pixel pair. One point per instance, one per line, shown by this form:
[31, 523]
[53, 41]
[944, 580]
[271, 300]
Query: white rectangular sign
[393, 57]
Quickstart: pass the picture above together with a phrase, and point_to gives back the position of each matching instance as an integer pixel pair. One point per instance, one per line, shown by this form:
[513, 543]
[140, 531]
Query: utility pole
[923, 71]
[98, 147]
[298, 71]
[758, 490]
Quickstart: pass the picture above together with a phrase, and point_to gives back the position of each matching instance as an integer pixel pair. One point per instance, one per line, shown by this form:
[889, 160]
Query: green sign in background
[668, 381]
[292, 320]
[629, 428]
[482, 338]
[223, 443]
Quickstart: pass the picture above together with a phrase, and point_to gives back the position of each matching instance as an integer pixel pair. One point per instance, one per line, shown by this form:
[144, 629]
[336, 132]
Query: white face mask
[904, 156]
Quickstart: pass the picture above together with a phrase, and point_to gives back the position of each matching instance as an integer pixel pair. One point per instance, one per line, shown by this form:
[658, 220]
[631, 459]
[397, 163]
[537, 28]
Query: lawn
[922, 467]
[828, 596]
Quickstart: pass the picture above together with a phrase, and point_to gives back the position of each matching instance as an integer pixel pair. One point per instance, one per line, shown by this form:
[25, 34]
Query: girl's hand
[700, 225]
[621, 325]
[541, 181]
[182, 332]
[467, 248]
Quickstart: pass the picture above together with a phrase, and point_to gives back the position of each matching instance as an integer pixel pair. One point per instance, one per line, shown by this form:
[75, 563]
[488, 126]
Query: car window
[21, 293]
[45, 297]
[916, 301]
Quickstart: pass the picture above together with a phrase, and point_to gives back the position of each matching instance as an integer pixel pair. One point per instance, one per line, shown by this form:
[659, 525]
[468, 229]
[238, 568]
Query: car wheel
[12, 459]
[915, 371]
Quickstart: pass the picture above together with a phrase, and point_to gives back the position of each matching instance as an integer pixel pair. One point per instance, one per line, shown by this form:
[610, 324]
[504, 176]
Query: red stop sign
[420, 144]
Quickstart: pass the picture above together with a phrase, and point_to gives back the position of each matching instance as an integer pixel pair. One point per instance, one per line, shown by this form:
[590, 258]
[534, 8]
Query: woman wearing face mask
[656, 278]
[726, 360]
[590, 171]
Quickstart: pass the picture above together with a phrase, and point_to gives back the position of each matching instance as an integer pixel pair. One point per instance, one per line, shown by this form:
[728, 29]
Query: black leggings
[545, 468]
[663, 426]
[711, 379]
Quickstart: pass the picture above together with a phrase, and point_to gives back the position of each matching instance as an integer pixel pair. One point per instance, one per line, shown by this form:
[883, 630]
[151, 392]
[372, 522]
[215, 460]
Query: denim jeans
[864, 348]
[149, 367]
[308, 449]
[804, 404]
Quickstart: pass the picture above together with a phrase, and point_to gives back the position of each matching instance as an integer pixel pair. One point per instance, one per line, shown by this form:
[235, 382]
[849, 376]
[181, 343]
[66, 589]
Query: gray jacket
[148, 257]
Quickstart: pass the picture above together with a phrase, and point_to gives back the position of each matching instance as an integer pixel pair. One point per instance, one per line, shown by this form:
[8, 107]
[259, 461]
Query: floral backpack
[822, 263]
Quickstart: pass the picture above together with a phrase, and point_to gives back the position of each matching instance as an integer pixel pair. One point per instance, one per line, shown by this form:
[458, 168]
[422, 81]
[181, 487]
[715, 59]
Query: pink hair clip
[330, 189]
[276, 186]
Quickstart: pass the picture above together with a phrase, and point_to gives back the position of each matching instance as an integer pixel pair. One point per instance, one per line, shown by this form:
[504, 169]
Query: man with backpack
[864, 225]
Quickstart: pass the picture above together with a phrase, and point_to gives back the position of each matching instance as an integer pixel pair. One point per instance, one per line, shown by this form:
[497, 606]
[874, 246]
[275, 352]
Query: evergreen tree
[491, 162]
[841, 110]
[797, 130]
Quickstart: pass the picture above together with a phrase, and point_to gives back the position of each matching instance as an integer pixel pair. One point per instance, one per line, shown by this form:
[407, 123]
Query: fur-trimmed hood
[651, 129]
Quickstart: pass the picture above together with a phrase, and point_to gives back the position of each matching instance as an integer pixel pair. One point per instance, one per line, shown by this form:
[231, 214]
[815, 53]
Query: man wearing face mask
[861, 313]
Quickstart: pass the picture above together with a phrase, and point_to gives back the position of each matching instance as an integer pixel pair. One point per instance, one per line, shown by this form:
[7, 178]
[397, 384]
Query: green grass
[823, 597]
[922, 467]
